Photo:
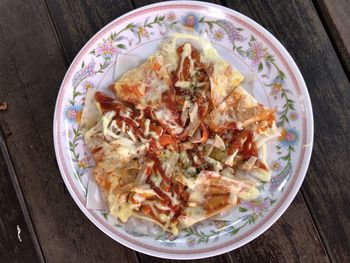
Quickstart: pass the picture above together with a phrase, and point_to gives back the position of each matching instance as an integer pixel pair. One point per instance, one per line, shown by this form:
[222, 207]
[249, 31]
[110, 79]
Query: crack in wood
[21, 200]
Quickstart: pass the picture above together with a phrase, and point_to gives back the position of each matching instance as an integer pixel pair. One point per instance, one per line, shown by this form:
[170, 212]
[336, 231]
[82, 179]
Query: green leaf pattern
[256, 54]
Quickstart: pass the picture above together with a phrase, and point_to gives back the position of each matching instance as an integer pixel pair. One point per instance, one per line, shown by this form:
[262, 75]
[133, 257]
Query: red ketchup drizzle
[185, 75]
[153, 149]
[131, 124]
[157, 165]
[107, 103]
[168, 98]
[165, 199]
[243, 141]
[261, 165]
[249, 148]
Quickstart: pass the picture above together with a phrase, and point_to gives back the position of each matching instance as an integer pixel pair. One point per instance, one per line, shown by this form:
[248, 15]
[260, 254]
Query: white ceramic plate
[275, 80]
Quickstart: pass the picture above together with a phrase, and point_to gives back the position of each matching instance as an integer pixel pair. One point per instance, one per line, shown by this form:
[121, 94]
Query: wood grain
[17, 243]
[327, 182]
[295, 223]
[336, 15]
[78, 21]
[31, 70]
[277, 249]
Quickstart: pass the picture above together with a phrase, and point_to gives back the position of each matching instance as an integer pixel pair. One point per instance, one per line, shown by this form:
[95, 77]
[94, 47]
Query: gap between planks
[68, 61]
[61, 47]
[319, 232]
[57, 34]
[20, 198]
[303, 196]
[331, 38]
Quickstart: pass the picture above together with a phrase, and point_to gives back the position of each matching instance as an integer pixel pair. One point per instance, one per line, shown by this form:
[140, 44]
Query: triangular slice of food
[213, 193]
[145, 84]
[240, 110]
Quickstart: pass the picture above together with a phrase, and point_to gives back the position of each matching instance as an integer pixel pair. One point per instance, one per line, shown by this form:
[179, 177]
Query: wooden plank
[279, 249]
[78, 21]
[31, 70]
[336, 15]
[17, 242]
[326, 187]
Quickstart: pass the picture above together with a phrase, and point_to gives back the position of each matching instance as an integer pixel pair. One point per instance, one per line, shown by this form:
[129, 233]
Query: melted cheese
[106, 120]
[250, 194]
[183, 84]
[186, 53]
[261, 174]
[229, 160]
[216, 164]
[164, 115]
[124, 212]
[147, 123]
[188, 181]
[197, 197]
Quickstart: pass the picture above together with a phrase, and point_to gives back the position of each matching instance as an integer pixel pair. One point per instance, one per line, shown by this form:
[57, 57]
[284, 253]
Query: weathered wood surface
[35, 51]
[336, 17]
[31, 69]
[78, 21]
[326, 185]
[279, 246]
[17, 242]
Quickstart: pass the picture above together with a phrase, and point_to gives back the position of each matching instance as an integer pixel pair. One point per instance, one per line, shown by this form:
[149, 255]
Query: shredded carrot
[166, 139]
[156, 66]
[157, 129]
[164, 186]
[205, 134]
[146, 209]
[133, 91]
[97, 149]
[132, 200]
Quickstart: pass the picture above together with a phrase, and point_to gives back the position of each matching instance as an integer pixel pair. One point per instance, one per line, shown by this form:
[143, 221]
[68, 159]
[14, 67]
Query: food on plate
[180, 140]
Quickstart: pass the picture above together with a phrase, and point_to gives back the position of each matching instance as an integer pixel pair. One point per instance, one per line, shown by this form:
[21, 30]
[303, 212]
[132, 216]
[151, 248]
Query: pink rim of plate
[289, 193]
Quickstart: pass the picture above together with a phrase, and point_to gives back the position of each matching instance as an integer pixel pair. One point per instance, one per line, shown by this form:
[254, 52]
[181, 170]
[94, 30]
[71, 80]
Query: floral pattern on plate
[246, 46]
[256, 54]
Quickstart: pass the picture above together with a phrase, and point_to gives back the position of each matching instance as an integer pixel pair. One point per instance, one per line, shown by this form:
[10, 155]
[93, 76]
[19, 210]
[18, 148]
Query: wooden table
[39, 221]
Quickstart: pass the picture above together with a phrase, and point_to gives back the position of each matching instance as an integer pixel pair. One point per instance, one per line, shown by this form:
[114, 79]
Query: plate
[274, 79]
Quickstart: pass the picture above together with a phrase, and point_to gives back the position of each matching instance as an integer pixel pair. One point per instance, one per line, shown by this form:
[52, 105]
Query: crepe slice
[223, 77]
[112, 148]
[240, 110]
[91, 113]
[212, 193]
[145, 84]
